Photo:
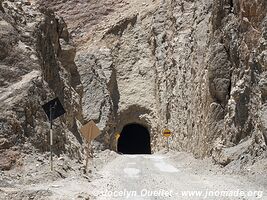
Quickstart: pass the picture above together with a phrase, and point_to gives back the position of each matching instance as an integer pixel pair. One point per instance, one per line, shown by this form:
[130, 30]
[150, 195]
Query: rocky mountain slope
[195, 67]
[36, 64]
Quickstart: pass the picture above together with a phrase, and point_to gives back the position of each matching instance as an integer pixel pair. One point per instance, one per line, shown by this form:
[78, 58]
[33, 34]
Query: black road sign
[53, 109]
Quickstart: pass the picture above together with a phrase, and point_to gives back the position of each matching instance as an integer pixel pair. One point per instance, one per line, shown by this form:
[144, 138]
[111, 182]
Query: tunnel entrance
[134, 139]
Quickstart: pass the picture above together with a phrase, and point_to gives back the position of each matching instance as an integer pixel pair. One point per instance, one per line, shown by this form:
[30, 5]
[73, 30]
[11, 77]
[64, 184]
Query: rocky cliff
[195, 67]
[36, 64]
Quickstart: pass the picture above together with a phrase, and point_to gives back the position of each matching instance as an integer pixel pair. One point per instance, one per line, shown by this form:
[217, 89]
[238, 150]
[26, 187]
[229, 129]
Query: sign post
[90, 131]
[88, 148]
[167, 133]
[53, 110]
[168, 144]
[51, 138]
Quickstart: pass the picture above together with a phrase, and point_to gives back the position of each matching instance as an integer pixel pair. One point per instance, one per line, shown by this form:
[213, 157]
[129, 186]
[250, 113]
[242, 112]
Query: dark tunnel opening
[134, 139]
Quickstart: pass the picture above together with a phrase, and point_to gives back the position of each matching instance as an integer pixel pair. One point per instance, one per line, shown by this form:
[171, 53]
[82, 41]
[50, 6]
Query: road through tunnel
[134, 139]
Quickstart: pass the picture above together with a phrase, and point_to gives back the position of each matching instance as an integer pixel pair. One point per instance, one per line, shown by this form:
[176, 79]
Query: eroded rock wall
[239, 34]
[36, 64]
[151, 65]
[195, 67]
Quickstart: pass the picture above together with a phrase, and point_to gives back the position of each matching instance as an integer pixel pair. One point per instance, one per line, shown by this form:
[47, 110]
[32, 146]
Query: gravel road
[139, 177]
[162, 176]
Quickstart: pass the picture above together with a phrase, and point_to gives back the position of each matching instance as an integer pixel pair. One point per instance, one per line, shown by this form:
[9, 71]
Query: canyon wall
[197, 68]
[36, 65]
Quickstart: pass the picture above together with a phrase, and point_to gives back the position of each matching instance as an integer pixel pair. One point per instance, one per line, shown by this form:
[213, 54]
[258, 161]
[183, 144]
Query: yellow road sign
[117, 135]
[90, 131]
[167, 133]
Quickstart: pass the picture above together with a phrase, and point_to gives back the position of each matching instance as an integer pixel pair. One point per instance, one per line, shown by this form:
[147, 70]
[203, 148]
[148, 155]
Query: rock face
[240, 28]
[195, 67]
[36, 64]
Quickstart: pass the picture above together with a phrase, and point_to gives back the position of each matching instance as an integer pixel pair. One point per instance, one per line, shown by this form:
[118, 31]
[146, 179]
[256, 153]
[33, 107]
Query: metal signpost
[53, 110]
[167, 133]
[90, 131]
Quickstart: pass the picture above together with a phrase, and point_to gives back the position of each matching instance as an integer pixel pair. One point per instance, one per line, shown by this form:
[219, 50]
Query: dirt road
[160, 177]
